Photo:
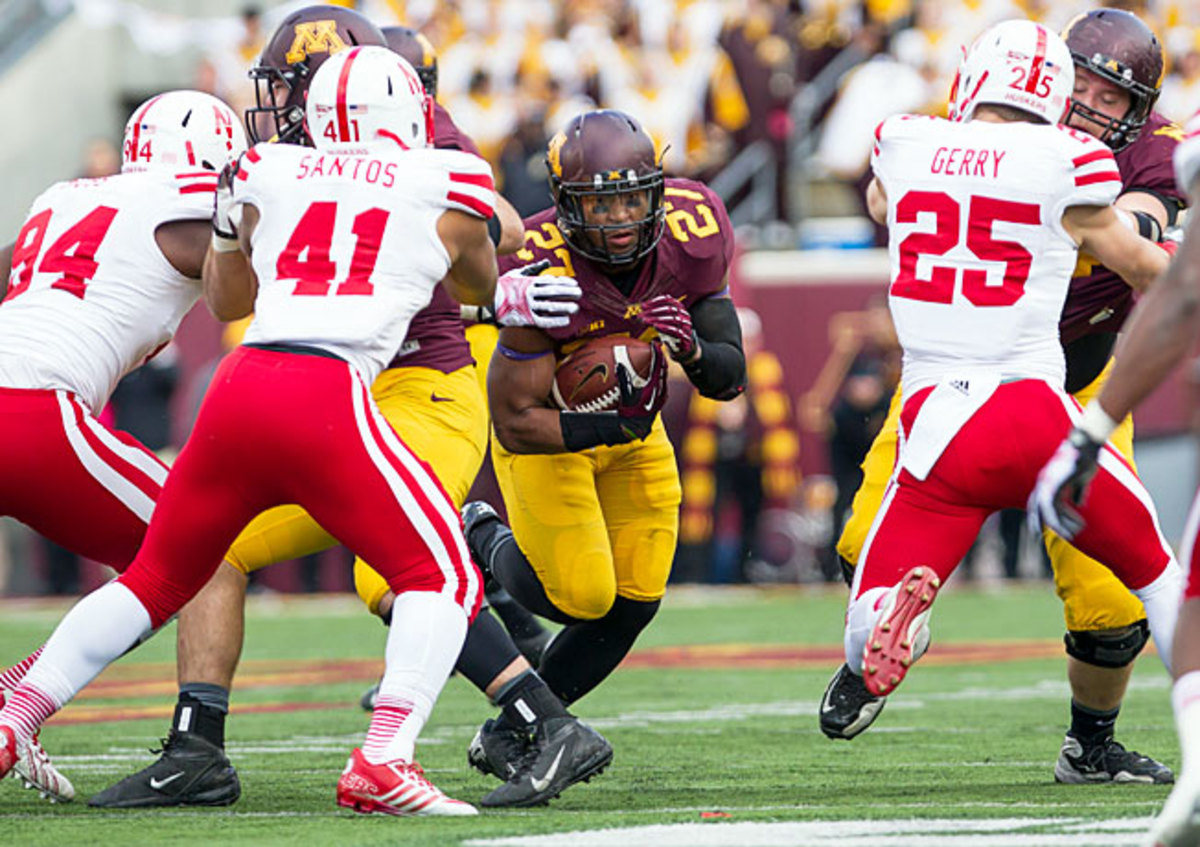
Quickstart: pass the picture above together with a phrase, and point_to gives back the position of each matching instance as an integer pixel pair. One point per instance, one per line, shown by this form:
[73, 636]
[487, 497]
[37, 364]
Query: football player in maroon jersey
[594, 497]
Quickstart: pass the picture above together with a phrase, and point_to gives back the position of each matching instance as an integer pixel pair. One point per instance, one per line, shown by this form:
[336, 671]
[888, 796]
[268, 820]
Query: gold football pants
[597, 524]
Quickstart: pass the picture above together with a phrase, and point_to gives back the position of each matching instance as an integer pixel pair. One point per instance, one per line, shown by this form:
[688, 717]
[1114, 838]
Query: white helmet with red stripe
[1016, 63]
[368, 95]
[181, 130]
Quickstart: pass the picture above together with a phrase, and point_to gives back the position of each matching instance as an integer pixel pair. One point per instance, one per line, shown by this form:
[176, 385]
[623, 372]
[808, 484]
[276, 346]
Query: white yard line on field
[996, 832]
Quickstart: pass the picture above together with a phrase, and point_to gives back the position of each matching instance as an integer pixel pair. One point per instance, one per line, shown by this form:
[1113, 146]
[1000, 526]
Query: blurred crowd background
[770, 101]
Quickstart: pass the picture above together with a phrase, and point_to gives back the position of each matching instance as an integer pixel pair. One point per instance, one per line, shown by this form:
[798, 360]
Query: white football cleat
[394, 788]
[35, 769]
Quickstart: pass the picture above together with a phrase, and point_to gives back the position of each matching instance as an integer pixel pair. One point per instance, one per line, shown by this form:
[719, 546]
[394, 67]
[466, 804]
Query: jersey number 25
[982, 214]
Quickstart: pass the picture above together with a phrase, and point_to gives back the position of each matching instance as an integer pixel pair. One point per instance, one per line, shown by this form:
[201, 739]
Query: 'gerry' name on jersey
[966, 161]
[981, 262]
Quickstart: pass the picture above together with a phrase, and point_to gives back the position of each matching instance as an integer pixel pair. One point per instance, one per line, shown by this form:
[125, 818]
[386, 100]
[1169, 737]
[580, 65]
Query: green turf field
[722, 737]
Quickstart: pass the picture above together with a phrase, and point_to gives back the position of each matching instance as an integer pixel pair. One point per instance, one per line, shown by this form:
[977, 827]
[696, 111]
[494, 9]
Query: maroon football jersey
[1099, 300]
[435, 336]
[689, 263]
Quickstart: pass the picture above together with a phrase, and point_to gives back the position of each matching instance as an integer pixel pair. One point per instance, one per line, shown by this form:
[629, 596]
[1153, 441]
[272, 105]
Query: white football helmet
[1016, 63]
[368, 95]
[181, 130]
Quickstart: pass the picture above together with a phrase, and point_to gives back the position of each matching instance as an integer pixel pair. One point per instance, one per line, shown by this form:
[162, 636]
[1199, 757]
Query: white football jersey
[980, 262]
[91, 296]
[1187, 156]
[346, 249]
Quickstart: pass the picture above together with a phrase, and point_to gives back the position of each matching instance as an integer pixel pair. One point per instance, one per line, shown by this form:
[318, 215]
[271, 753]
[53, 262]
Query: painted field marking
[932, 832]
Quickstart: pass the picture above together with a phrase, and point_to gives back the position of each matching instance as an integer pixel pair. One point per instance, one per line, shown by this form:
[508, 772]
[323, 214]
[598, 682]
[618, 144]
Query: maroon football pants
[285, 427]
[992, 463]
[70, 478]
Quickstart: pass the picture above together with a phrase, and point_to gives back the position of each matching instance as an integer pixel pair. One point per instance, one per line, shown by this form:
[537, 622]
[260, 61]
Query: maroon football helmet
[1117, 46]
[419, 52]
[605, 154]
[304, 40]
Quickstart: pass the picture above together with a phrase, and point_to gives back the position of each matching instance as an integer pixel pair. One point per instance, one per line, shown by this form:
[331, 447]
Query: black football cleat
[190, 772]
[847, 708]
[1107, 760]
[497, 751]
[564, 751]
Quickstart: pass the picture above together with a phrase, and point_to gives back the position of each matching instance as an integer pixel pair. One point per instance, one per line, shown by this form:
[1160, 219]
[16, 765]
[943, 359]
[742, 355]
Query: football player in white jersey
[986, 213]
[97, 281]
[1161, 333]
[338, 248]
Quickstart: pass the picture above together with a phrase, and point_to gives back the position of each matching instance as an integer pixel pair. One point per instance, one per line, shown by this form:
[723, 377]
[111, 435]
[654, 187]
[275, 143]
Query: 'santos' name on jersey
[373, 171]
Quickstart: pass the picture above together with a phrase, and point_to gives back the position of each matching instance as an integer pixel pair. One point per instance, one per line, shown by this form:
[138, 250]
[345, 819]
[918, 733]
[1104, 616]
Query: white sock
[861, 617]
[426, 636]
[100, 628]
[1162, 599]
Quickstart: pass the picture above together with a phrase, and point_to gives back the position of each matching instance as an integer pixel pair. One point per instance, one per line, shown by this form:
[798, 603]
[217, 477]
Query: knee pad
[1108, 648]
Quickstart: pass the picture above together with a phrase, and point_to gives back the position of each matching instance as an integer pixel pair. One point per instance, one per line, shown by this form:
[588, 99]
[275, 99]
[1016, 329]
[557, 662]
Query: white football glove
[525, 299]
[1062, 485]
[227, 214]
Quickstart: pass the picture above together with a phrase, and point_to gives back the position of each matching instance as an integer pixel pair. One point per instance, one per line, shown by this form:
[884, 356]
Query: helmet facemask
[1117, 133]
[278, 114]
[592, 239]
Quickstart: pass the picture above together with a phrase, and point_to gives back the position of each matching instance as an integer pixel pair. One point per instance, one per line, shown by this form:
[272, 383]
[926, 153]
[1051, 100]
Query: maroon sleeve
[698, 236]
[1147, 163]
[447, 135]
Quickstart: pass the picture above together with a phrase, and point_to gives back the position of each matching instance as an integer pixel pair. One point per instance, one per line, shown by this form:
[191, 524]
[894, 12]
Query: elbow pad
[720, 371]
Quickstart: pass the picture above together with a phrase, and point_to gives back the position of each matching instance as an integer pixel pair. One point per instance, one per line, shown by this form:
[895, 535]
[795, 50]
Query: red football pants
[72, 479]
[1190, 551]
[278, 428]
[992, 463]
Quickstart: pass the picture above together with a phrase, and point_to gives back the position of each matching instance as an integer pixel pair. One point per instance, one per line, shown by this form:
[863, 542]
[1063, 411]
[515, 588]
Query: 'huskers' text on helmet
[1019, 64]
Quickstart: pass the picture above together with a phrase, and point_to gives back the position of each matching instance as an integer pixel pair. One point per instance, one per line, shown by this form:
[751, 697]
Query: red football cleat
[394, 788]
[888, 653]
[8, 751]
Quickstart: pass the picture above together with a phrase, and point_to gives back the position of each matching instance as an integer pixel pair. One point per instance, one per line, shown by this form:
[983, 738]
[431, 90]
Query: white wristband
[221, 244]
[1096, 423]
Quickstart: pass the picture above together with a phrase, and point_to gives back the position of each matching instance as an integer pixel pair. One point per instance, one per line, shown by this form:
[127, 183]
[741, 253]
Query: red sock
[12, 677]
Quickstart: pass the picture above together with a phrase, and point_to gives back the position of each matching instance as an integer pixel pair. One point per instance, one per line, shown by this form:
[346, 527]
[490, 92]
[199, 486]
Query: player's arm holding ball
[520, 382]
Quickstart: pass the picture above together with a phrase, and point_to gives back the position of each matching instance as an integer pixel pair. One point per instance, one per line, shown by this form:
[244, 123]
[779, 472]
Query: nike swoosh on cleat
[540, 784]
[157, 784]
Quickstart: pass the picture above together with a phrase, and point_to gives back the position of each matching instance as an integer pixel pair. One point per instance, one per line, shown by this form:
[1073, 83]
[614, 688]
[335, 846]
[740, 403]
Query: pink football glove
[525, 299]
[667, 315]
[642, 398]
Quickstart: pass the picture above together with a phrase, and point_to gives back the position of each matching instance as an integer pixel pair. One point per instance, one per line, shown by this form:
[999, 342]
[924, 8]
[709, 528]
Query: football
[586, 378]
